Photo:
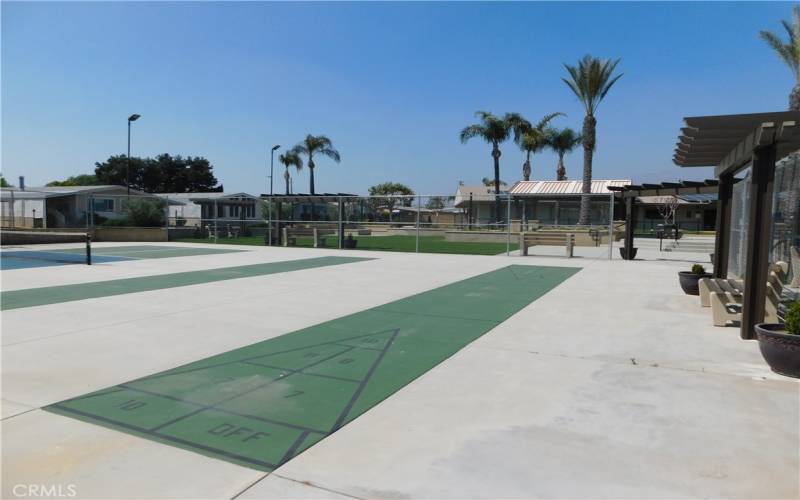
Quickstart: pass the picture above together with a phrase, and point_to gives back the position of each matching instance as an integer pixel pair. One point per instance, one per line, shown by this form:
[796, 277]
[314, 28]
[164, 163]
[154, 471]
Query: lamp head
[276, 147]
[134, 117]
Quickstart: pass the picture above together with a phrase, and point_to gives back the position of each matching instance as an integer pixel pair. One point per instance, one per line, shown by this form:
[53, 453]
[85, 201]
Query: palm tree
[495, 130]
[789, 51]
[316, 145]
[562, 142]
[533, 138]
[590, 80]
[290, 159]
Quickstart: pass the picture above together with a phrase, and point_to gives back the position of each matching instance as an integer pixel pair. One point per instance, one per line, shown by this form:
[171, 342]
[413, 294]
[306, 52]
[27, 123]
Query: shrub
[144, 212]
[117, 222]
[698, 269]
[792, 318]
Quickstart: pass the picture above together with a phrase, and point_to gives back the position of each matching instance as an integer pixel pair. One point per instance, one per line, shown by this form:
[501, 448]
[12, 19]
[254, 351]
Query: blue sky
[391, 84]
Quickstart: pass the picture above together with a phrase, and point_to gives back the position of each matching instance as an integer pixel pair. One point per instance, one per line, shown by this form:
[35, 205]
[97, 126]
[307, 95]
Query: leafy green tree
[4, 183]
[316, 145]
[290, 159]
[533, 138]
[590, 80]
[144, 212]
[391, 194]
[789, 52]
[437, 202]
[562, 141]
[162, 174]
[77, 180]
[495, 130]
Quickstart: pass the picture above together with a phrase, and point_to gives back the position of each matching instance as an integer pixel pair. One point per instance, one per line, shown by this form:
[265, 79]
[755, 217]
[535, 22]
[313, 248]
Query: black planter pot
[781, 350]
[624, 254]
[689, 282]
[349, 243]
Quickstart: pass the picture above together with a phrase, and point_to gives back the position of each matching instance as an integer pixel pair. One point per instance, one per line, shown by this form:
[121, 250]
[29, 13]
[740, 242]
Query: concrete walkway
[614, 384]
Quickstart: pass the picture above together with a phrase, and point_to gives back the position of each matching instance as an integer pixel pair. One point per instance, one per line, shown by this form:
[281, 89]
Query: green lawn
[398, 243]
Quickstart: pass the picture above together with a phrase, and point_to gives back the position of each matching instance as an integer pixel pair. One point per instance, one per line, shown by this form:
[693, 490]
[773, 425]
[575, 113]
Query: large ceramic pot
[624, 254]
[349, 243]
[781, 350]
[690, 281]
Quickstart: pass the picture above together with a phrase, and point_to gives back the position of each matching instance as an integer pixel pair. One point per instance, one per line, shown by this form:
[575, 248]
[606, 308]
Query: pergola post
[722, 236]
[758, 239]
[630, 225]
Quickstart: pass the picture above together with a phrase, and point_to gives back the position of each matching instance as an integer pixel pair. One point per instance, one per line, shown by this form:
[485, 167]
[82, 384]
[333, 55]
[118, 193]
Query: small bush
[698, 269]
[117, 222]
[144, 212]
[792, 318]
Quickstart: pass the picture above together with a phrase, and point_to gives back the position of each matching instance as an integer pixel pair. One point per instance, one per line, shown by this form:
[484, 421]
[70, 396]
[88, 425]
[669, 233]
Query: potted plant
[780, 342]
[350, 242]
[689, 279]
[624, 254]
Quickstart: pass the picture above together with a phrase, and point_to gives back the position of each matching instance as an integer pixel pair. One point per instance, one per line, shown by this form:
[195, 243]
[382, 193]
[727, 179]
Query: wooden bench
[546, 238]
[290, 235]
[226, 231]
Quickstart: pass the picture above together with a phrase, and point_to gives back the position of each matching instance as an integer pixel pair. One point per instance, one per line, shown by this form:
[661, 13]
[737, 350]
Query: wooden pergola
[630, 193]
[732, 143]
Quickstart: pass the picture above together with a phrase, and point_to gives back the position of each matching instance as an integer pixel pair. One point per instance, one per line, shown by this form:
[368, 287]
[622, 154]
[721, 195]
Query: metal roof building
[564, 188]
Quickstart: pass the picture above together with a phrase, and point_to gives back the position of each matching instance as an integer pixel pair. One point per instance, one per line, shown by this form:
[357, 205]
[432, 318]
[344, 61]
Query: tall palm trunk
[561, 171]
[588, 134]
[526, 167]
[496, 156]
[286, 180]
[311, 173]
[794, 98]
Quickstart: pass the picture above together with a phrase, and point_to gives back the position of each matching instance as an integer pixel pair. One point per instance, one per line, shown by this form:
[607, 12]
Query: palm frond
[788, 50]
[547, 119]
[291, 159]
[563, 141]
[472, 131]
[517, 123]
[491, 129]
[591, 80]
[317, 144]
[330, 153]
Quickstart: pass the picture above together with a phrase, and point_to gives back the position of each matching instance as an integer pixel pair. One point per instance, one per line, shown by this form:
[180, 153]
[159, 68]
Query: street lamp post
[271, 165]
[131, 118]
[271, 171]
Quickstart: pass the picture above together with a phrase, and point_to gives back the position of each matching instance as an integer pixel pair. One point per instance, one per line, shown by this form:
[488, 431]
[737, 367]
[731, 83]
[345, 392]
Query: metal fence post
[269, 221]
[166, 217]
[508, 224]
[340, 208]
[215, 220]
[419, 205]
[611, 227]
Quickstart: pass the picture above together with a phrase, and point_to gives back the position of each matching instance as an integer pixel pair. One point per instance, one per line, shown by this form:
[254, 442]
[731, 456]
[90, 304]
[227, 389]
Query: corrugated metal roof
[550, 188]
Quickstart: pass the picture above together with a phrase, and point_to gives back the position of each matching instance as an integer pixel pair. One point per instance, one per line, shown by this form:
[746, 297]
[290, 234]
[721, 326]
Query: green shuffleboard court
[30, 297]
[263, 404]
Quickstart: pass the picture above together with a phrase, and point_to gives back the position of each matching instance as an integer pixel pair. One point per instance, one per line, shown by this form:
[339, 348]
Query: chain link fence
[485, 224]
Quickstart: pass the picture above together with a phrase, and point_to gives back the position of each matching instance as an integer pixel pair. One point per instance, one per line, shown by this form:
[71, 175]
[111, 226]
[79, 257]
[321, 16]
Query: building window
[103, 204]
